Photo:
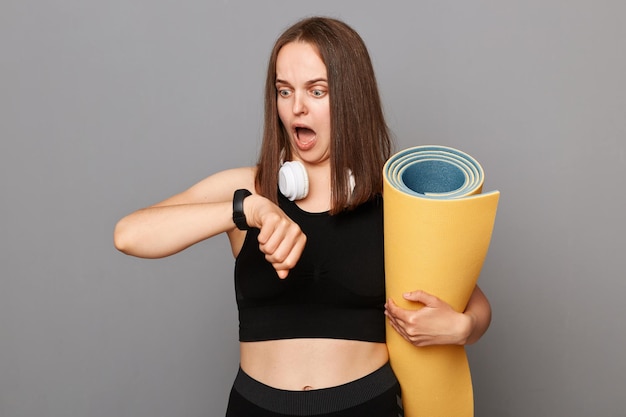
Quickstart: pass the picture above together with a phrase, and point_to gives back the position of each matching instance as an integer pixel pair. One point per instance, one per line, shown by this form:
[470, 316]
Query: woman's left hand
[436, 323]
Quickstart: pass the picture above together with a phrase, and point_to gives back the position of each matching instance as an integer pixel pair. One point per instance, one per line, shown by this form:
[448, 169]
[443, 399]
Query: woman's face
[303, 103]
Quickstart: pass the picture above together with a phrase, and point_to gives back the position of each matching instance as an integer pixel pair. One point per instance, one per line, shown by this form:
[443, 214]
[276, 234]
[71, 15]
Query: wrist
[467, 328]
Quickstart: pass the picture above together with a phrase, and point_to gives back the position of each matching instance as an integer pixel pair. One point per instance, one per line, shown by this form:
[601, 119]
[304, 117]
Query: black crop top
[336, 290]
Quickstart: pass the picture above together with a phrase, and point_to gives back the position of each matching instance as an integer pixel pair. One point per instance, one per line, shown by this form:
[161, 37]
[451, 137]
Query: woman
[309, 263]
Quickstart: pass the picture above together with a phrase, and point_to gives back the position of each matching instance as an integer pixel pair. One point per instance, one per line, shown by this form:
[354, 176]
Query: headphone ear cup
[293, 181]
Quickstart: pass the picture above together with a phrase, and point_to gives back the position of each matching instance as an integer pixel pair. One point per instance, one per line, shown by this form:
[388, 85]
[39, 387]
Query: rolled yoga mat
[438, 227]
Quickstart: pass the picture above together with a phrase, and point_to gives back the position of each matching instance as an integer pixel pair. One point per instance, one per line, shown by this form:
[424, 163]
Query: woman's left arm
[437, 323]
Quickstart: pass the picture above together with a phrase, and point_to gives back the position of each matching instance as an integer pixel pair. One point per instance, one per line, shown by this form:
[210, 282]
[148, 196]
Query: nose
[299, 103]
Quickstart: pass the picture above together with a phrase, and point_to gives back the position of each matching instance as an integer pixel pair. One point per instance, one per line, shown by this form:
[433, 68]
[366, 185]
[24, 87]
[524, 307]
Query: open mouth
[304, 135]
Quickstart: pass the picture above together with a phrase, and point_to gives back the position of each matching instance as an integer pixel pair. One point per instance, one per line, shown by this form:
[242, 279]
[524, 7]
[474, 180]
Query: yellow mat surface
[438, 227]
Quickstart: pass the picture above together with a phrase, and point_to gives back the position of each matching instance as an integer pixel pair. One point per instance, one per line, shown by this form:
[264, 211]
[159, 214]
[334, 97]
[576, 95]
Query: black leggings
[375, 395]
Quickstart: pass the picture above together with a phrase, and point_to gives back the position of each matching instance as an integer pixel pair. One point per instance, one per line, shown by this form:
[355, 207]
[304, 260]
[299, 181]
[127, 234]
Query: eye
[318, 93]
[283, 92]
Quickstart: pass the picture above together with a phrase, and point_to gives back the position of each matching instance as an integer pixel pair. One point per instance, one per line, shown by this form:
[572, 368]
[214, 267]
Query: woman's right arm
[205, 210]
[202, 211]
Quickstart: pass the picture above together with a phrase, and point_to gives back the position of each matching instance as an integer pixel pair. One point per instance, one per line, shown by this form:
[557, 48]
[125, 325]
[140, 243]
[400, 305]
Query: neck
[318, 199]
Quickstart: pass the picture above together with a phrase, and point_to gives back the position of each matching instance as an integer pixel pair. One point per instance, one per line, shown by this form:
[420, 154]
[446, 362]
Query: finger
[403, 332]
[290, 246]
[271, 235]
[282, 273]
[396, 328]
[283, 239]
[265, 231]
[406, 332]
[280, 262]
[395, 325]
[422, 297]
[396, 311]
[287, 250]
[390, 308]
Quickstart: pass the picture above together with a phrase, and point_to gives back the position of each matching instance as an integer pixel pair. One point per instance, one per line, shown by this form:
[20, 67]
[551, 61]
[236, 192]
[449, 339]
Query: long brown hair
[360, 139]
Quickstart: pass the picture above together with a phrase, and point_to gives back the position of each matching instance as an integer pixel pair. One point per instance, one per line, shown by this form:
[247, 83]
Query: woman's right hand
[280, 238]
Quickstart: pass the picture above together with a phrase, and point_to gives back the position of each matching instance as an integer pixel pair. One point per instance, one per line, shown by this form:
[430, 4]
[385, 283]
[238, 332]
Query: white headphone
[293, 181]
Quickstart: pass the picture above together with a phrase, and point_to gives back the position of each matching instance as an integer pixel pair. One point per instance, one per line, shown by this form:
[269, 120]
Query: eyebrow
[310, 82]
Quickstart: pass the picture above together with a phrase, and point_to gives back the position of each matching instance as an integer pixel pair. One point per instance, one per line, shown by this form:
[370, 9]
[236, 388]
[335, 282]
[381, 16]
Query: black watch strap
[238, 216]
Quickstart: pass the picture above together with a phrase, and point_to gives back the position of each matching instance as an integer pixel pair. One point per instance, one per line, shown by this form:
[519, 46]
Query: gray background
[109, 106]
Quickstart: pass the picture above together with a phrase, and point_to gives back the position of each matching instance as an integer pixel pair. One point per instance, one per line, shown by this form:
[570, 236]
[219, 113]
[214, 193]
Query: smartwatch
[238, 215]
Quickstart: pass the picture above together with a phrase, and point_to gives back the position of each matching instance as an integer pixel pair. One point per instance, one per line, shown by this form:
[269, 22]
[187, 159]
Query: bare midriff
[306, 364]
